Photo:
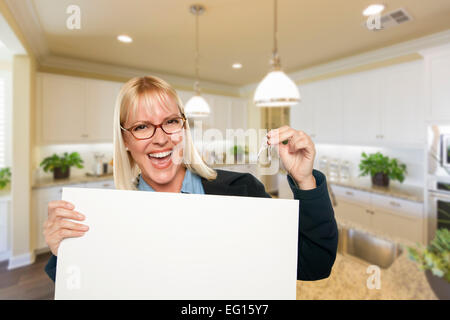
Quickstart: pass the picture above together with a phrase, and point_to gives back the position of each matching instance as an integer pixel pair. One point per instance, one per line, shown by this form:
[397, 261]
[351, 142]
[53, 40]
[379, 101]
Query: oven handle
[440, 195]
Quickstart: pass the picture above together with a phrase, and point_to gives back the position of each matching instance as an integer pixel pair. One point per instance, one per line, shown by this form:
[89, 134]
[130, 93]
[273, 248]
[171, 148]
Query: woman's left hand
[297, 155]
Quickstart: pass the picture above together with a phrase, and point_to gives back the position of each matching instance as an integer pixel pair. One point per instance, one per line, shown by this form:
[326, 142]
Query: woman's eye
[173, 121]
[140, 127]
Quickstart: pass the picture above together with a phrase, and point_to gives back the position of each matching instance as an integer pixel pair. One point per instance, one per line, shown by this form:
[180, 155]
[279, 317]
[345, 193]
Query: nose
[160, 137]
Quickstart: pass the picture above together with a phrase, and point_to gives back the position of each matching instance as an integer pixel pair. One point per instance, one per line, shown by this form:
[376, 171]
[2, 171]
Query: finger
[277, 131]
[66, 224]
[61, 234]
[278, 136]
[60, 203]
[298, 143]
[67, 214]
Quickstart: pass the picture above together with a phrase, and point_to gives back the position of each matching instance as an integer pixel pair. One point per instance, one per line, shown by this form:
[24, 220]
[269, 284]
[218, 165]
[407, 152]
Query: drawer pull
[106, 185]
[394, 204]
[370, 211]
[349, 193]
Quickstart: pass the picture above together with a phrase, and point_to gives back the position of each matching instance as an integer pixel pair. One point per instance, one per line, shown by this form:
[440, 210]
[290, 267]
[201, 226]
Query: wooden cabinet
[75, 110]
[399, 218]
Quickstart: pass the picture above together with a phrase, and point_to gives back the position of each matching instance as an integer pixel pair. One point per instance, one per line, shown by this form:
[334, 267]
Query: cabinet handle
[370, 211]
[395, 204]
[84, 135]
[106, 185]
[349, 193]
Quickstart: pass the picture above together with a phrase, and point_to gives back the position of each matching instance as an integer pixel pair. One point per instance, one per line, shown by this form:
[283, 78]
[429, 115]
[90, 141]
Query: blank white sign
[152, 245]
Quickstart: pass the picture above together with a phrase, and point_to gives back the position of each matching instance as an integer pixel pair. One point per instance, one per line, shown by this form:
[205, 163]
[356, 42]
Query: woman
[153, 151]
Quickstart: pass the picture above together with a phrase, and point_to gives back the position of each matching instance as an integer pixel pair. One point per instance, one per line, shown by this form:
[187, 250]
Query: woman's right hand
[57, 227]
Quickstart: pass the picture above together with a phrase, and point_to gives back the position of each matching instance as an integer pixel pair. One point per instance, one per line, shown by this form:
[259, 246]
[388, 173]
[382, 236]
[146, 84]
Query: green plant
[5, 177]
[237, 150]
[378, 163]
[63, 162]
[436, 256]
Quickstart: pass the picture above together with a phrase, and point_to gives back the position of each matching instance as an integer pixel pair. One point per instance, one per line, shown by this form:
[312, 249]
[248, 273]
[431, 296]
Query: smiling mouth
[161, 160]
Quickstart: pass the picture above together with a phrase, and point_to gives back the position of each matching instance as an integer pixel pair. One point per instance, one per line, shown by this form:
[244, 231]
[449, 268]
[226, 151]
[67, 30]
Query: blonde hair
[149, 88]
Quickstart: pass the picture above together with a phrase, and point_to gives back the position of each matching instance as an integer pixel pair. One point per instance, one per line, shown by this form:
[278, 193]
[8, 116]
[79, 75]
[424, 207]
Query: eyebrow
[166, 118]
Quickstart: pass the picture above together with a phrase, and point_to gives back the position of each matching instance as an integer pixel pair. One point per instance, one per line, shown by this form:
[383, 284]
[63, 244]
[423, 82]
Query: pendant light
[197, 107]
[276, 89]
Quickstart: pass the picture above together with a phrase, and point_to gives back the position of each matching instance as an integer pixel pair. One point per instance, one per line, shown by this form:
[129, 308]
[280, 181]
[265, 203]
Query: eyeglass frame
[182, 117]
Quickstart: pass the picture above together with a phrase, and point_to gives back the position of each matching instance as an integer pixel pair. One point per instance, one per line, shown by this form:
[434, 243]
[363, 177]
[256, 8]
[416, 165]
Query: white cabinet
[437, 83]
[399, 218]
[402, 112]
[377, 107]
[99, 114]
[361, 99]
[75, 110]
[42, 196]
[63, 108]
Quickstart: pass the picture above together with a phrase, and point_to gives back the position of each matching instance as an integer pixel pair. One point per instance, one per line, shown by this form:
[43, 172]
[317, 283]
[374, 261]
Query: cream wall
[23, 68]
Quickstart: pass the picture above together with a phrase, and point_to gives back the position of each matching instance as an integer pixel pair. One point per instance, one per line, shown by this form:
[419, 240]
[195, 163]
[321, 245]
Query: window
[5, 154]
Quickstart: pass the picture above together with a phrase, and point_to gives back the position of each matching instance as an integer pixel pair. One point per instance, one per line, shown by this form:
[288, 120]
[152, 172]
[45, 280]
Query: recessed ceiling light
[236, 66]
[373, 9]
[124, 38]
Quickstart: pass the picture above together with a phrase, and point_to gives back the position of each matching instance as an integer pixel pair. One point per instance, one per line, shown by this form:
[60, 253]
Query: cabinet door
[63, 103]
[328, 111]
[353, 212]
[100, 102]
[397, 225]
[402, 111]
[238, 113]
[107, 184]
[361, 119]
[302, 115]
[439, 68]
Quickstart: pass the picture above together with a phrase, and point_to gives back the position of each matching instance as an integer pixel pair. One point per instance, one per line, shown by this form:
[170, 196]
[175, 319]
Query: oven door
[439, 214]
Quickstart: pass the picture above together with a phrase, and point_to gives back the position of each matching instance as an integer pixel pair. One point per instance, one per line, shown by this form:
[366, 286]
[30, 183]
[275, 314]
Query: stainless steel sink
[367, 247]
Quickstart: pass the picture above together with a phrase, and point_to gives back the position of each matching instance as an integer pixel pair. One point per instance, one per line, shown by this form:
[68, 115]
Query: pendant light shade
[197, 107]
[276, 89]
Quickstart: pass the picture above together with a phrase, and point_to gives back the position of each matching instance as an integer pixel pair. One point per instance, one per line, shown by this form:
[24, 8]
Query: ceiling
[310, 33]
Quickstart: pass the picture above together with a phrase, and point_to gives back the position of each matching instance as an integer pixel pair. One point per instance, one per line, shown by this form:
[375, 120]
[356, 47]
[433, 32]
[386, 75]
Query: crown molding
[419, 45]
[125, 73]
[27, 19]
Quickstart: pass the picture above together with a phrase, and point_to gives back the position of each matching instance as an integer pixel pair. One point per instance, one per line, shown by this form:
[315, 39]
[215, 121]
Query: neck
[172, 186]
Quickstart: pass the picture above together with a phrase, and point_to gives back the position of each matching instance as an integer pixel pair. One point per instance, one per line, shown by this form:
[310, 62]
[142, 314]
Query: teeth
[160, 154]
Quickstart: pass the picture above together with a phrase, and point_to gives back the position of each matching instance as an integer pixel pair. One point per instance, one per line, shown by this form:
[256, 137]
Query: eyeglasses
[146, 130]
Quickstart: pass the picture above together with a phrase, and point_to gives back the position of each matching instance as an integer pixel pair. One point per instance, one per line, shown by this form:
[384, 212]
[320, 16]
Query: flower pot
[380, 179]
[58, 174]
[440, 286]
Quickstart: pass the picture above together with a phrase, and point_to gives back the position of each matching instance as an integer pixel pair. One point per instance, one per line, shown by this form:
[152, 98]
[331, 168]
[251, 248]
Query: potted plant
[237, 151]
[381, 169]
[60, 165]
[435, 261]
[5, 177]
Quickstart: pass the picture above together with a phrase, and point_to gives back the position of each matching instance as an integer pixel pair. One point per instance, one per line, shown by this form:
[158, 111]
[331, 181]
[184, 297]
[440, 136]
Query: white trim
[402, 49]
[26, 17]
[52, 61]
[21, 260]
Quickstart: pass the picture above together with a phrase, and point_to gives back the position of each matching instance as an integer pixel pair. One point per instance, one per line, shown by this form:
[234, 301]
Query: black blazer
[318, 234]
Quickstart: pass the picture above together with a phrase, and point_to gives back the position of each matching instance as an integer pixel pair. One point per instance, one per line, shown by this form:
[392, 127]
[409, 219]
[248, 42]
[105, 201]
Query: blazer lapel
[221, 186]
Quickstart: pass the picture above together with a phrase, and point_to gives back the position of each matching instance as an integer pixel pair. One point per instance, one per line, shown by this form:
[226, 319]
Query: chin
[160, 176]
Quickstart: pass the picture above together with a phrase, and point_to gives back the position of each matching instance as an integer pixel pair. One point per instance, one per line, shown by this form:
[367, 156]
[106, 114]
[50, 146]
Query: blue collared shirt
[192, 183]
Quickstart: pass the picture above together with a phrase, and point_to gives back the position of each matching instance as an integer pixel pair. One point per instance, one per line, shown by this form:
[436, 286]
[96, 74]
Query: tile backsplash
[413, 158]
[86, 152]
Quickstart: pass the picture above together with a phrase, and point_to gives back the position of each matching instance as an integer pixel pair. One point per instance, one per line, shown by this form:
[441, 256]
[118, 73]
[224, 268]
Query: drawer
[107, 184]
[350, 194]
[410, 208]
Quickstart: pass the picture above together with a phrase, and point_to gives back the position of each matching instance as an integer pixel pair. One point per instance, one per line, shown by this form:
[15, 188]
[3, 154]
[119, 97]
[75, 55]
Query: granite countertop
[397, 190]
[50, 182]
[348, 278]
